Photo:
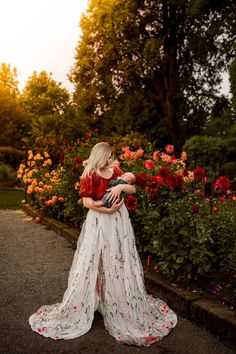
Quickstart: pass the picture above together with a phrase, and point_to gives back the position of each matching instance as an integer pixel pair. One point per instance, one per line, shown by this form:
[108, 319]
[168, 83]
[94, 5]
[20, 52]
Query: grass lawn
[10, 198]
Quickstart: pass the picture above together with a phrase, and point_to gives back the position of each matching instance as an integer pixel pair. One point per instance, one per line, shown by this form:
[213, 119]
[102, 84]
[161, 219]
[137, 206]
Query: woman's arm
[88, 203]
[115, 192]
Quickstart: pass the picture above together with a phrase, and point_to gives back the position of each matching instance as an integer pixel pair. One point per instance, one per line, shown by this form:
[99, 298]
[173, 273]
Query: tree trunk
[164, 80]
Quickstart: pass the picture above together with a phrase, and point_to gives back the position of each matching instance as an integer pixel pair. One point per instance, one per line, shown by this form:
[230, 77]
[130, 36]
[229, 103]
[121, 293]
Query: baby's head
[128, 177]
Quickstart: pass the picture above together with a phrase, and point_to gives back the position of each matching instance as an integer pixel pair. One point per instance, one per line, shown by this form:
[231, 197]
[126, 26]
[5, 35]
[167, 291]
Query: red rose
[164, 172]
[74, 170]
[159, 179]
[222, 183]
[87, 135]
[152, 192]
[174, 182]
[78, 160]
[195, 208]
[131, 202]
[223, 200]
[141, 180]
[148, 164]
[152, 181]
[199, 173]
[200, 193]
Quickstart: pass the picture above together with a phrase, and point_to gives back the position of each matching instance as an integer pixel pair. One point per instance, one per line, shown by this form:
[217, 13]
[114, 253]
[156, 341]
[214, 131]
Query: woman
[106, 272]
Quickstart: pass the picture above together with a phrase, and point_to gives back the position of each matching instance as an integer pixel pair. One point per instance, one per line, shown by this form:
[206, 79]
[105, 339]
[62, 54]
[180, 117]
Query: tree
[14, 121]
[222, 118]
[232, 73]
[43, 96]
[173, 51]
[53, 116]
[8, 78]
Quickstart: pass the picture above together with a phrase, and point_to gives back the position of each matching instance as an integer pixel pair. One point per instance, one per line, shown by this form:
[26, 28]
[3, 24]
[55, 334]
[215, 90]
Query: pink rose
[169, 149]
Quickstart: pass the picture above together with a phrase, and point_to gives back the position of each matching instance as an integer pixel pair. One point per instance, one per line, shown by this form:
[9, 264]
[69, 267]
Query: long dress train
[106, 250]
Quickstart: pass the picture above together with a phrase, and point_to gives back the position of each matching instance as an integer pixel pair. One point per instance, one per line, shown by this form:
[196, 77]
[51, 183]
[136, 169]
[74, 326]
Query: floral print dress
[106, 251]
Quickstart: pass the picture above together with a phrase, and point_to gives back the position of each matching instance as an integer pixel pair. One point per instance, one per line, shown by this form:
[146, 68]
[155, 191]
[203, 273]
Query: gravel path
[35, 263]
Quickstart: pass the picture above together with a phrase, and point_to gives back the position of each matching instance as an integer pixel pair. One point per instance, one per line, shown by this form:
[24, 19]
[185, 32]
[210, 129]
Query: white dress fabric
[106, 250]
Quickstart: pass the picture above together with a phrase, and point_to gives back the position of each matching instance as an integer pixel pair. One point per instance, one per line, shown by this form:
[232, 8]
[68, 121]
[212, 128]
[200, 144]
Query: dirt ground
[35, 264]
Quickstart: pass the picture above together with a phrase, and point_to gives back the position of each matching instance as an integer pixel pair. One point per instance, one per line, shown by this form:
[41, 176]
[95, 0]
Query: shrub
[206, 151]
[189, 232]
[191, 240]
[54, 189]
[228, 169]
[11, 156]
[7, 173]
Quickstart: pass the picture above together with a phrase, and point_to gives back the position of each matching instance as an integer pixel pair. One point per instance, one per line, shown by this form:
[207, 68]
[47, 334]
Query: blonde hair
[99, 156]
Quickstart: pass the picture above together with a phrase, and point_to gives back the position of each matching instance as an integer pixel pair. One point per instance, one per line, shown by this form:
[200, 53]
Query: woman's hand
[89, 203]
[114, 193]
[115, 206]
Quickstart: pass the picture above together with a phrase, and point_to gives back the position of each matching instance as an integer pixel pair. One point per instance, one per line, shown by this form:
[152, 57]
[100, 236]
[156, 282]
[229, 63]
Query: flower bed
[180, 219]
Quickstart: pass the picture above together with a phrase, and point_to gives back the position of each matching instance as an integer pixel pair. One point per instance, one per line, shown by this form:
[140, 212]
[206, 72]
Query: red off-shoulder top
[95, 186]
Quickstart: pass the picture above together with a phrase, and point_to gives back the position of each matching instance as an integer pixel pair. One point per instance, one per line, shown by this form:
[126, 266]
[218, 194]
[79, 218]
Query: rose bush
[188, 227]
[190, 233]
[54, 188]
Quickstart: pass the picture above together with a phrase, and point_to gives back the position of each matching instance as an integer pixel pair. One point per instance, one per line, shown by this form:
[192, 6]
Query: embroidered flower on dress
[40, 312]
[164, 308]
[41, 329]
[150, 339]
[119, 338]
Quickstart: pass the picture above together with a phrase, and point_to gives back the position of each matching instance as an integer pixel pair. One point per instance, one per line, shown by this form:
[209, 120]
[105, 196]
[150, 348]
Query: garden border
[203, 310]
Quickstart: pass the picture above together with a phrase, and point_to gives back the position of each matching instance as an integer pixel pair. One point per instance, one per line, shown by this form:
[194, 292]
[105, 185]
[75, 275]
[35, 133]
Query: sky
[42, 35]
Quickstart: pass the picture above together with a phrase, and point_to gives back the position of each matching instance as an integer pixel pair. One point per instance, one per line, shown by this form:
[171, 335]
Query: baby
[126, 178]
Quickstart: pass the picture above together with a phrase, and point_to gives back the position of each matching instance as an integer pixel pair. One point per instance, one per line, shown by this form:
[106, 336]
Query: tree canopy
[44, 96]
[8, 78]
[53, 115]
[171, 53]
[232, 72]
[13, 119]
